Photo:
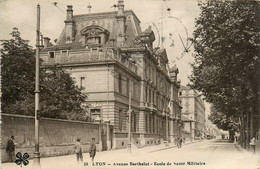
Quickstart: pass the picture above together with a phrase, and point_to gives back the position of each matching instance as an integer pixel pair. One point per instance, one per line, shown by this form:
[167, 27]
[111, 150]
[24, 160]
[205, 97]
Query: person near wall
[252, 144]
[92, 149]
[10, 149]
[78, 150]
[180, 144]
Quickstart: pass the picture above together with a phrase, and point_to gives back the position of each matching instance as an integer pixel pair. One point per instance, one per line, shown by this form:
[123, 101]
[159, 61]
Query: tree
[59, 97]
[222, 121]
[17, 65]
[226, 67]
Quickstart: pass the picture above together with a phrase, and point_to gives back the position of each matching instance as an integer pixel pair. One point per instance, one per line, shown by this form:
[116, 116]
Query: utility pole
[129, 119]
[36, 161]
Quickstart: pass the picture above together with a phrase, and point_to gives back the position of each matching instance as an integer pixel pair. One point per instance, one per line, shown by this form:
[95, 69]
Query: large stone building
[115, 63]
[193, 113]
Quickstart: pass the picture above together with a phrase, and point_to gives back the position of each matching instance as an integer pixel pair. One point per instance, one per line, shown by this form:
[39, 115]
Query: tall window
[127, 87]
[133, 120]
[152, 124]
[146, 94]
[120, 120]
[82, 82]
[157, 101]
[146, 123]
[119, 83]
[150, 96]
[150, 75]
[153, 98]
[145, 69]
[133, 90]
[149, 71]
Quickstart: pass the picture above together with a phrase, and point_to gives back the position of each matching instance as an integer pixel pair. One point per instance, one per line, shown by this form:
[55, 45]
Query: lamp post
[36, 158]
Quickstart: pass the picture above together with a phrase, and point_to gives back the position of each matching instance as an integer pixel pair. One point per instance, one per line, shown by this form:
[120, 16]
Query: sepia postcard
[131, 84]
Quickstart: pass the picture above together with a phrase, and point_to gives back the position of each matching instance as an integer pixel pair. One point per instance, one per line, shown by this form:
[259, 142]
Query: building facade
[193, 113]
[115, 63]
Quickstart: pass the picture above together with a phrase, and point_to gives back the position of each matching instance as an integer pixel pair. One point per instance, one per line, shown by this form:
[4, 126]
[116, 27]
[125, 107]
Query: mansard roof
[106, 21]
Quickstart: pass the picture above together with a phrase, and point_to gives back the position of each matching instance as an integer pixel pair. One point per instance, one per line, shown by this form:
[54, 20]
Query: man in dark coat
[10, 148]
[180, 142]
[78, 150]
[92, 150]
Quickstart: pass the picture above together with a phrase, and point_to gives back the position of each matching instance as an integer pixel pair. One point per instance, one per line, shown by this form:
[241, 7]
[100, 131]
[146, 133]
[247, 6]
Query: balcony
[86, 56]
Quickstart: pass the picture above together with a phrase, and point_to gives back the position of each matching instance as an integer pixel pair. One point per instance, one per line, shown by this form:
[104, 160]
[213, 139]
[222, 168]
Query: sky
[175, 25]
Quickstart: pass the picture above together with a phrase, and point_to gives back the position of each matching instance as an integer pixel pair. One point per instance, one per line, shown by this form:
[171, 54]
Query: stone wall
[57, 137]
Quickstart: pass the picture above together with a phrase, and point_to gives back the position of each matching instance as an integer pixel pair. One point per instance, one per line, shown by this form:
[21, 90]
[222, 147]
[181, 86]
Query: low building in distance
[193, 113]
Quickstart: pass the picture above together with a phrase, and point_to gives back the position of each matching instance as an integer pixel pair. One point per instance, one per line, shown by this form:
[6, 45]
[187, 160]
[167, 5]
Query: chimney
[173, 73]
[69, 25]
[120, 6]
[46, 42]
[121, 22]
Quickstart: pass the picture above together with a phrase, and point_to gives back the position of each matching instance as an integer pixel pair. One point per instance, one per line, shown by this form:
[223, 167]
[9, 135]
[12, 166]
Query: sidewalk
[245, 151]
[69, 161]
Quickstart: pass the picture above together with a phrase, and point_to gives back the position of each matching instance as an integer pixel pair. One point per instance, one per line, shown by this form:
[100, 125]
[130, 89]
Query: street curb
[172, 147]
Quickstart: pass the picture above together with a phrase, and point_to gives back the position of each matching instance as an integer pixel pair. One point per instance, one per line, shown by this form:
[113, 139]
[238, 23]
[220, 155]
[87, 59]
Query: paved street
[207, 154]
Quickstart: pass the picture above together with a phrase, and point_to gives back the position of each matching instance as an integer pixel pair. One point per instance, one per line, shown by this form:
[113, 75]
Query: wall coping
[45, 118]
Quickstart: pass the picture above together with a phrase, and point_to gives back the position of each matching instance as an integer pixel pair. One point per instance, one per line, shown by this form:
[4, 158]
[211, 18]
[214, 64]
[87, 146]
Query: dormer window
[51, 54]
[95, 35]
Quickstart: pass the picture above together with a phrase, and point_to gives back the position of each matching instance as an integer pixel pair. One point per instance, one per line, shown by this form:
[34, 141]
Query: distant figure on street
[78, 150]
[183, 139]
[252, 144]
[180, 142]
[10, 148]
[92, 150]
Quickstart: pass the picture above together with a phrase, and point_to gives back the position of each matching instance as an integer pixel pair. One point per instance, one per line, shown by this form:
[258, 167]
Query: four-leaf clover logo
[22, 160]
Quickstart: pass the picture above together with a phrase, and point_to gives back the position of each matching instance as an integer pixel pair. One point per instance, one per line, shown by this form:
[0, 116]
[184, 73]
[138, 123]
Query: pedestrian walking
[180, 142]
[78, 150]
[10, 149]
[252, 144]
[92, 149]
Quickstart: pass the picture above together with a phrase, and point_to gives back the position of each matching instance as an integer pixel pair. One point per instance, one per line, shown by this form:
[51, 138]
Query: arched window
[95, 35]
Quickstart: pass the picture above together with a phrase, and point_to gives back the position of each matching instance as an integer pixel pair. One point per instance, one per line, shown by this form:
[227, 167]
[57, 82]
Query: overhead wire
[56, 5]
[24, 24]
[187, 46]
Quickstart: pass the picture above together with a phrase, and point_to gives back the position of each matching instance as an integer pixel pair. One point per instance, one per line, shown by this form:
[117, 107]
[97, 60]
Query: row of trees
[59, 97]
[227, 68]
